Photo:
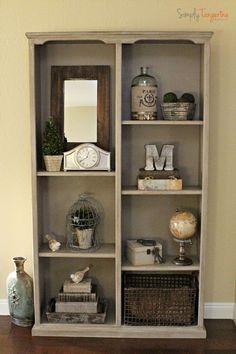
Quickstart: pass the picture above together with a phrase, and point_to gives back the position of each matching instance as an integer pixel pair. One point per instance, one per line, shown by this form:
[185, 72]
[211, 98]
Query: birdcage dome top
[84, 213]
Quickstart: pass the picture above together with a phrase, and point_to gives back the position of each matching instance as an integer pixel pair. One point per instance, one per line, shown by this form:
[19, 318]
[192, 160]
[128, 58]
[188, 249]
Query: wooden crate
[71, 317]
[159, 184]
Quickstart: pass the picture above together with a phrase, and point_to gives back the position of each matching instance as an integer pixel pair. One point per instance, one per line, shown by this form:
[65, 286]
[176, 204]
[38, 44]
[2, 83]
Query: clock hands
[87, 160]
[85, 157]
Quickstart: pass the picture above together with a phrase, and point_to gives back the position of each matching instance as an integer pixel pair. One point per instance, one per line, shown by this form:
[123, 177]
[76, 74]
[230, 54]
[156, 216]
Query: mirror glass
[80, 110]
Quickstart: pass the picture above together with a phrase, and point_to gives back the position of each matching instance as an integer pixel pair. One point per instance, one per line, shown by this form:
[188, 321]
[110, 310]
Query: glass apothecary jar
[144, 96]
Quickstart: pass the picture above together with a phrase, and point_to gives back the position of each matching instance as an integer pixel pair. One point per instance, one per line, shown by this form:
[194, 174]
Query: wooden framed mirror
[85, 119]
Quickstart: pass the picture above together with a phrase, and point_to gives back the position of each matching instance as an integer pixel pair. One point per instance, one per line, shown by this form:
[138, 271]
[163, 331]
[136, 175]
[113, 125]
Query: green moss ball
[187, 97]
[170, 97]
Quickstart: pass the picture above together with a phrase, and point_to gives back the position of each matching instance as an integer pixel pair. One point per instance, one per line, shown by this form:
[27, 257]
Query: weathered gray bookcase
[180, 62]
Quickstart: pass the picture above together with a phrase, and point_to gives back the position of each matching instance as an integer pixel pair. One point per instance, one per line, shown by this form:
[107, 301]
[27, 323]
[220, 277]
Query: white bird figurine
[53, 244]
[78, 276]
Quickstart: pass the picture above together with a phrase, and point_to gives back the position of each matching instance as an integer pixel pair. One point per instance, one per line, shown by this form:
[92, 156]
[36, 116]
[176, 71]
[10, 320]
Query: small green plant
[84, 218]
[170, 97]
[52, 140]
[187, 97]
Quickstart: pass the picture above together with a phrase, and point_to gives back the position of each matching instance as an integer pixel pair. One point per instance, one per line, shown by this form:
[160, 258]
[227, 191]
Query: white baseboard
[4, 311]
[219, 310]
[213, 310]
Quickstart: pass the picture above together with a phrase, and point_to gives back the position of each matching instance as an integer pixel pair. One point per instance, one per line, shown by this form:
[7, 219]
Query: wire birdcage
[81, 222]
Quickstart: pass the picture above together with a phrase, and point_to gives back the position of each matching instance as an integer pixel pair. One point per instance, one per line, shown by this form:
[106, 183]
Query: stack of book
[77, 298]
[77, 303]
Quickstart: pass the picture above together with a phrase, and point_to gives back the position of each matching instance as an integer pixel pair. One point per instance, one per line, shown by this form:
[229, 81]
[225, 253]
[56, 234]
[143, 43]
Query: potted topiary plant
[52, 146]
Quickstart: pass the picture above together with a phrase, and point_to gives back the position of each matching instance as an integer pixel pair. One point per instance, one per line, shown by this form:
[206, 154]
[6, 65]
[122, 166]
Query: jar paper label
[144, 99]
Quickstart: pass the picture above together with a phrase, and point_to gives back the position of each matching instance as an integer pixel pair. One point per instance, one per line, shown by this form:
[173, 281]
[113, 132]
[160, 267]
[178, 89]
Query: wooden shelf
[76, 173]
[164, 267]
[106, 250]
[162, 122]
[132, 190]
[115, 331]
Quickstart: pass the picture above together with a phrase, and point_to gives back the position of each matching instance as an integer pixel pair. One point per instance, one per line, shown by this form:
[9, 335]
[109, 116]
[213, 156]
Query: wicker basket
[53, 162]
[178, 111]
[160, 299]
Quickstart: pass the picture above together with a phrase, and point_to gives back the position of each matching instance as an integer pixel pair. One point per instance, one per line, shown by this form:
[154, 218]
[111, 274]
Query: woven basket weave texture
[160, 299]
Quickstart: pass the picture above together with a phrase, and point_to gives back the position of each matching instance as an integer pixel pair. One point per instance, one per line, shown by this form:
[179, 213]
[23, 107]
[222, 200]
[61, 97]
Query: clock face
[87, 157]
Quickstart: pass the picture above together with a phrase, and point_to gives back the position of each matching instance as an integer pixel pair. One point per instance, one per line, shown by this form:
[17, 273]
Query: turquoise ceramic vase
[20, 294]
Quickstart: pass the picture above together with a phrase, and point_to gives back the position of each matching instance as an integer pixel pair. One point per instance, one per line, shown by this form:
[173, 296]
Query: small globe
[183, 225]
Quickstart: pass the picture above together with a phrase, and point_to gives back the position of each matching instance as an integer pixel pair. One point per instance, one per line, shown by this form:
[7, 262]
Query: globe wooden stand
[182, 260]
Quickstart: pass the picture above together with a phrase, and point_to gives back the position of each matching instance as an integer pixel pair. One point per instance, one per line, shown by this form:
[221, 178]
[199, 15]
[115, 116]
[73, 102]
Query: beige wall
[17, 17]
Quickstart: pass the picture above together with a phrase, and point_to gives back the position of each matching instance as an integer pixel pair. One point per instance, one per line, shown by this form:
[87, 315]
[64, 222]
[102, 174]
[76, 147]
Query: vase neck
[19, 263]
